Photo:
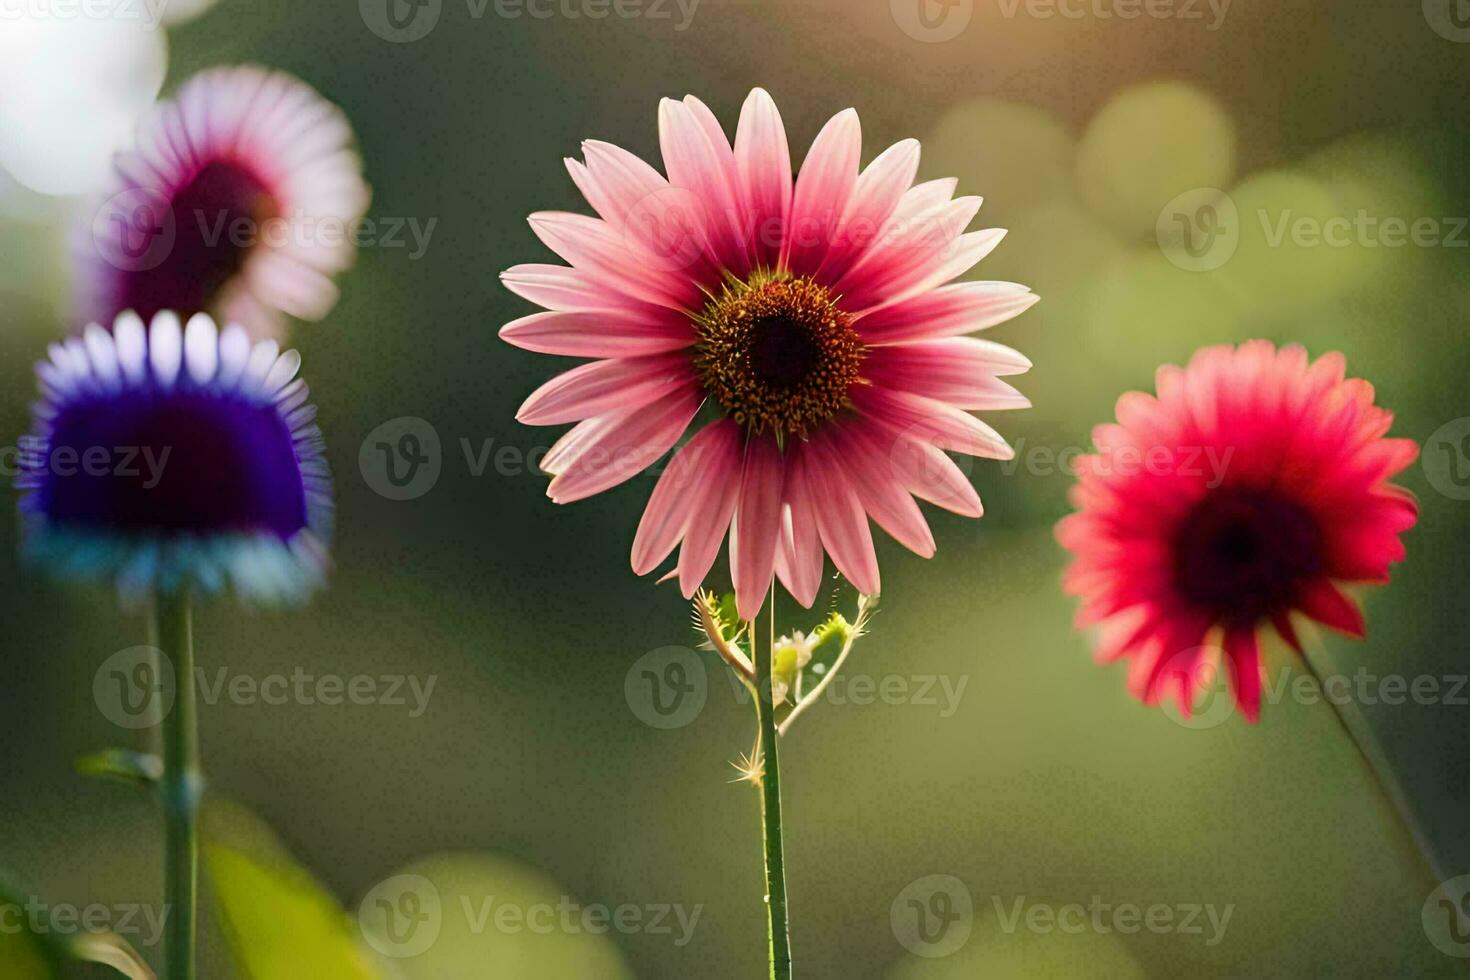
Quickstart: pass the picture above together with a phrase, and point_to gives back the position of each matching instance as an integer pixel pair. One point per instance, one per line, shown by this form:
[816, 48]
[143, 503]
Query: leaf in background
[489, 915]
[111, 950]
[137, 768]
[24, 953]
[280, 922]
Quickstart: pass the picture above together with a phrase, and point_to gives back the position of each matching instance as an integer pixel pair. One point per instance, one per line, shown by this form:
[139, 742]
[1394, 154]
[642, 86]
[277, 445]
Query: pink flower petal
[699, 160]
[960, 308]
[711, 514]
[875, 197]
[757, 524]
[701, 469]
[944, 425]
[1243, 658]
[604, 386]
[613, 260]
[557, 287]
[957, 370]
[841, 522]
[763, 162]
[823, 186]
[626, 445]
[799, 554]
[882, 496]
[608, 334]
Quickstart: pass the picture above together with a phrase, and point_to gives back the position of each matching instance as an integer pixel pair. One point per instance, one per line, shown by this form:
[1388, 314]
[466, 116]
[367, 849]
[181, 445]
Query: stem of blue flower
[777, 923]
[181, 787]
[1355, 725]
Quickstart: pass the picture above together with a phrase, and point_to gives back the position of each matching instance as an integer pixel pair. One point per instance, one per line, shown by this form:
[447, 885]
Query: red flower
[1248, 489]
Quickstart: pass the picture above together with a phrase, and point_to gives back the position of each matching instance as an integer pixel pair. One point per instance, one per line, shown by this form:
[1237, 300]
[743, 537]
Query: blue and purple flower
[176, 457]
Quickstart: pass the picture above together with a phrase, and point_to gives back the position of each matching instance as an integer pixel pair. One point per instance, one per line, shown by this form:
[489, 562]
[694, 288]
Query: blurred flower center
[195, 462]
[1242, 553]
[778, 353]
[219, 217]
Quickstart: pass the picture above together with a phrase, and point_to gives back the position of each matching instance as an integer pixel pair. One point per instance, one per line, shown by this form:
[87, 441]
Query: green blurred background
[1046, 782]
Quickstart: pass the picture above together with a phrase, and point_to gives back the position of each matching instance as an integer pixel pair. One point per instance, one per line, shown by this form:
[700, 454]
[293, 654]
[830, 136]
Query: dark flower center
[175, 462]
[1243, 553]
[217, 221]
[778, 353]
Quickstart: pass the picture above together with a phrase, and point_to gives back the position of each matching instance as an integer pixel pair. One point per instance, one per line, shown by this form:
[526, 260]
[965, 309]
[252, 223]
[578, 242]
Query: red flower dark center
[217, 219]
[778, 353]
[1244, 553]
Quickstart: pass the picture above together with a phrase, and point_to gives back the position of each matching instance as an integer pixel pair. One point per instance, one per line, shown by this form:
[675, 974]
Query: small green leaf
[280, 922]
[827, 642]
[137, 768]
[26, 954]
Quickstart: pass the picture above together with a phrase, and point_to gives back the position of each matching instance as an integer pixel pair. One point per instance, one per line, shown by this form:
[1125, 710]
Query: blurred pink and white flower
[240, 199]
[806, 326]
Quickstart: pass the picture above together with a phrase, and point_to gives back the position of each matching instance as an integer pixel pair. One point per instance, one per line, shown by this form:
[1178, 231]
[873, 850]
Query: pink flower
[1250, 487]
[241, 199]
[805, 323]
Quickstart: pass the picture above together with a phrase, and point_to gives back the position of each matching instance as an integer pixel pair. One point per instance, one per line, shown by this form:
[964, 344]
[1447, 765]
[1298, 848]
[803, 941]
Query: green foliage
[280, 922]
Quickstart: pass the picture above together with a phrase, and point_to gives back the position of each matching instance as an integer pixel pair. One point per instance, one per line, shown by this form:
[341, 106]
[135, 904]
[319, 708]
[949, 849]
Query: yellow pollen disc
[778, 353]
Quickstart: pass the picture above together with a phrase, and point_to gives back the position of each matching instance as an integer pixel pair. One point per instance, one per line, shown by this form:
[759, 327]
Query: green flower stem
[181, 787]
[1350, 717]
[778, 926]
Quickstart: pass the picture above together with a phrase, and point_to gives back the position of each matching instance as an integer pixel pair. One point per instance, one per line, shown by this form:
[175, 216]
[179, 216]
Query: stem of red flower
[777, 923]
[180, 788]
[1350, 717]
